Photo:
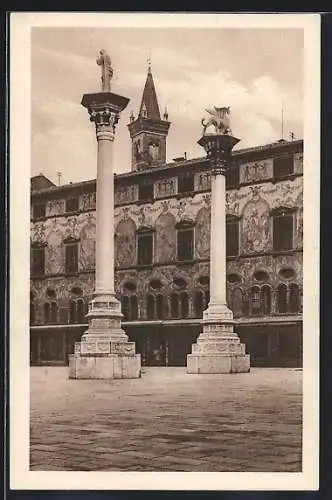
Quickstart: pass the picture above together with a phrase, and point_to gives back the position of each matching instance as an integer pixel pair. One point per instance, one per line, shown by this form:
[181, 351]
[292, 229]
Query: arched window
[54, 313]
[207, 298]
[47, 313]
[133, 307]
[184, 305]
[282, 298]
[150, 307]
[255, 300]
[199, 304]
[294, 298]
[174, 305]
[32, 313]
[125, 307]
[237, 302]
[266, 299]
[80, 311]
[72, 312]
[160, 306]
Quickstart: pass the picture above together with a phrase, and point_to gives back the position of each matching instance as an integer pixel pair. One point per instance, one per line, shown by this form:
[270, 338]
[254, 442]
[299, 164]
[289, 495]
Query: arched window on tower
[282, 298]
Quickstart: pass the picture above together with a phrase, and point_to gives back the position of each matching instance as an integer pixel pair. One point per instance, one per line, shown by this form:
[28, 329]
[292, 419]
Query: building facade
[162, 248]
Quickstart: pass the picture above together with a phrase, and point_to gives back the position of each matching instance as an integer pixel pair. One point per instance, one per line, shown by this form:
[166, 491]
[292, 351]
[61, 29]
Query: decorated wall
[252, 204]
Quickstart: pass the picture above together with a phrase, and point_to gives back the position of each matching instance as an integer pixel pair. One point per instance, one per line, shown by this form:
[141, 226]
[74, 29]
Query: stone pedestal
[218, 348]
[104, 351]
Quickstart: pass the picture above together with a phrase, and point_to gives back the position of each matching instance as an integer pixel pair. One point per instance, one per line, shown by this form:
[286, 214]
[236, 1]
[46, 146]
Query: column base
[112, 366]
[218, 348]
[104, 351]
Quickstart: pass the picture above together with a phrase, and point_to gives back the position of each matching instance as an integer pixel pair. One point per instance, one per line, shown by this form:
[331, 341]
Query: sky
[255, 71]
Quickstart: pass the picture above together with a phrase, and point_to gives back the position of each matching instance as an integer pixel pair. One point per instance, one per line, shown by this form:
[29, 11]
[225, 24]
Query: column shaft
[104, 214]
[218, 240]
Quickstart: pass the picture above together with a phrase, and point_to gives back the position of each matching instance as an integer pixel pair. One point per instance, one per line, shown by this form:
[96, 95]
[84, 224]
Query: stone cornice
[197, 163]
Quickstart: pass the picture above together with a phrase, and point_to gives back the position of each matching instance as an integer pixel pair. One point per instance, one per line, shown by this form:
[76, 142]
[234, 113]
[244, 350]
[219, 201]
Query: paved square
[167, 421]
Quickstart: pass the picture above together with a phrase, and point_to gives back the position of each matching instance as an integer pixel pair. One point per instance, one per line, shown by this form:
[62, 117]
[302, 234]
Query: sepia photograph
[164, 243]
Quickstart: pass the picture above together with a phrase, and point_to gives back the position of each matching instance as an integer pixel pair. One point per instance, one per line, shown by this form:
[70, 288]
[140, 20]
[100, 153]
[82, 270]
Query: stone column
[218, 299]
[104, 351]
[218, 348]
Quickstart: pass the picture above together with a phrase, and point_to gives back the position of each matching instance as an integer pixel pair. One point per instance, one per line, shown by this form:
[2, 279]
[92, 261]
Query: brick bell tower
[148, 131]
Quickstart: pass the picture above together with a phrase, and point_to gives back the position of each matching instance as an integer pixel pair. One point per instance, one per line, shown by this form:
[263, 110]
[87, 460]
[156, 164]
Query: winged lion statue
[220, 119]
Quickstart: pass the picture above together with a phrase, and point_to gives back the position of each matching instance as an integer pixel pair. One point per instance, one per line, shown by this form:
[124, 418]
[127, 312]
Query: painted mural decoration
[298, 163]
[299, 221]
[256, 171]
[87, 257]
[165, 238]
[87, 201]
[38, 232]
[165, 187]
[203, 181]
[54, 262]
[153, 152]
[55, 207]
[125, 194]
[255, 234]
[72, 228]
[202, 233]
[125, 243]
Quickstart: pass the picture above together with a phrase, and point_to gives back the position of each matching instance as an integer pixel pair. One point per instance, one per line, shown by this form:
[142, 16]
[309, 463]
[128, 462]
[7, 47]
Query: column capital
[104, 109]
[219, 170]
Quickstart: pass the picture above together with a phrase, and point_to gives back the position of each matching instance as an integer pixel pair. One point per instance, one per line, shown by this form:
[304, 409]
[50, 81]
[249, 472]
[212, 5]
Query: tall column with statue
[218, 348]
[104, 351]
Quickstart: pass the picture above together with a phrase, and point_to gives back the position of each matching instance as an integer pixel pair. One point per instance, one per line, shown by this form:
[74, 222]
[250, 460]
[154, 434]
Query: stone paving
[167, 421]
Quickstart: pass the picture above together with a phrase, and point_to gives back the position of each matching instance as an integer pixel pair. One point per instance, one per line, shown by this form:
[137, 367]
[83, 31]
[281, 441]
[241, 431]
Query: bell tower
[148, 131]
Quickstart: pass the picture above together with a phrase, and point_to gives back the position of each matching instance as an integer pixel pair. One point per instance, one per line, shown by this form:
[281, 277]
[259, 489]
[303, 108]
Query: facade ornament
[207, 199]
[104, 61]
[220, 119]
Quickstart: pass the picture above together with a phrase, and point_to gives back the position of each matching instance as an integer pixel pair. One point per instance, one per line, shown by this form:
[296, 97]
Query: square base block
[217, 363]
[108, 367]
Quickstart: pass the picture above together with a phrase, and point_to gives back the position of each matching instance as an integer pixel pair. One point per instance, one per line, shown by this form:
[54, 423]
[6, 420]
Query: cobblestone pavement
[167, 421]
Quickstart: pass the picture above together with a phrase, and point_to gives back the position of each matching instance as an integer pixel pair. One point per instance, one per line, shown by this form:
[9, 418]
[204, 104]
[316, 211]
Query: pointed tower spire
[149, 104]
[148, 131]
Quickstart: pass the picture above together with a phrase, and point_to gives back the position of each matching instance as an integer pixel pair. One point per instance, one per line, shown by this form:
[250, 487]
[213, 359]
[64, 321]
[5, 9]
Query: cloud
[190, 76]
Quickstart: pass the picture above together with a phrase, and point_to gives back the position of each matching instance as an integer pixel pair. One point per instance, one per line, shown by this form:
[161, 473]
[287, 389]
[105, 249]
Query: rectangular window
[185, 244]
[232, 238]
[283, 232]
[144, 249]
[71, 257]
[72, 205]
[232, 176]
[145, 191]
[283, 166]
[186, 183]
[38, 261]
[39, 211]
